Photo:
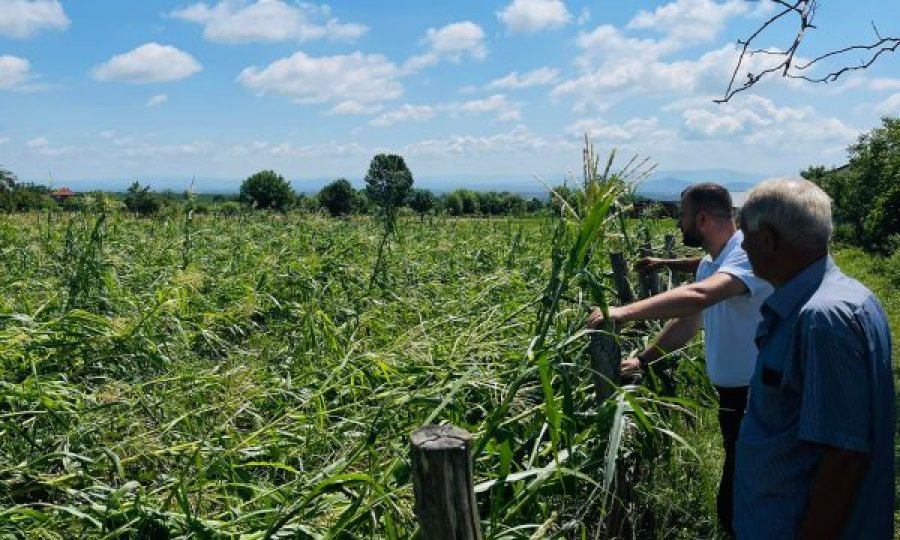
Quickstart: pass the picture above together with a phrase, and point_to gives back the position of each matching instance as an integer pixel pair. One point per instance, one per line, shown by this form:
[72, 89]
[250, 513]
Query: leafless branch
[802, 12]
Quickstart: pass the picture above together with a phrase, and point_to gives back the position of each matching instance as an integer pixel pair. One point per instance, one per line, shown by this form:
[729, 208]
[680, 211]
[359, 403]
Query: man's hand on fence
[596, 318]
[630, 366]
[649, 264]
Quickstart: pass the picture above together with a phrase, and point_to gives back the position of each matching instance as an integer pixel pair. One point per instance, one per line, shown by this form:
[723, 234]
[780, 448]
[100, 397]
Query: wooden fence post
[442, 482]
[669, 249]
[605, 359]
[649, 281]
[620, 278]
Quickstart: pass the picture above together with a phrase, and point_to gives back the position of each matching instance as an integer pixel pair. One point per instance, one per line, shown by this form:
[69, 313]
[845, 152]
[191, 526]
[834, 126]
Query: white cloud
[758, 122]
[497, 105]
[457, 39]
[157, 100]
[605, 81]
[351, 107]
[891, 105]
[530, 16]
[15, 73]
[405, 113]
[584, 17]
[451, 42]
[536, 77]
[149, 63]
[688, 22]
[884, 84]
[41, 145]
[644, 132]
[23, 18]
[357, 77]
[517, 141]
[240, 21]
[4, 140]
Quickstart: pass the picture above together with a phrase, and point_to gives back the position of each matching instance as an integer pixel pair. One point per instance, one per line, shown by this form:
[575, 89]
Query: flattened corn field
[255, 382]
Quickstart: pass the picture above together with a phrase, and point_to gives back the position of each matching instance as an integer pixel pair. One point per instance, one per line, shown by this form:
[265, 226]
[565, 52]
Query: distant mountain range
[662, 185]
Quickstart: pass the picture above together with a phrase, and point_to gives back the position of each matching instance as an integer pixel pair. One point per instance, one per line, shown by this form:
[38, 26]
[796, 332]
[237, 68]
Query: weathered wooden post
[442, 482]
[648, 281]
[620, 278]
[605, 359]
[669, 249]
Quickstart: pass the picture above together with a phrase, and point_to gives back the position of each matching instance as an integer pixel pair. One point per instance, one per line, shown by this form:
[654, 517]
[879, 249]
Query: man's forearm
[689, 265]
[833, 496]
[678, 302]
[675, 335]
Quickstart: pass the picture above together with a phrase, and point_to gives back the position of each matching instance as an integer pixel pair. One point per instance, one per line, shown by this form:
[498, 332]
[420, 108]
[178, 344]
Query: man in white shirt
[724, 300]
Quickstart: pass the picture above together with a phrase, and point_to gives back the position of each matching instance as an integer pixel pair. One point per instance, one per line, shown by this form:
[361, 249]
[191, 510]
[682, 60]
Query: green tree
[267, 189]
[8, 180]
[388, 182]
[421, 201]
[866, 192]
[140, 200]
[337, 197]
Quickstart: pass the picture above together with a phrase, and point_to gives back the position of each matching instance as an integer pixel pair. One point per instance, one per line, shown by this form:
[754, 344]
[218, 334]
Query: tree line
[388, 188]
[866, 191]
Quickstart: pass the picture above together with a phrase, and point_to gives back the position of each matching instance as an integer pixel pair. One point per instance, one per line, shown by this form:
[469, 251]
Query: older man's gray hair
[796, 209]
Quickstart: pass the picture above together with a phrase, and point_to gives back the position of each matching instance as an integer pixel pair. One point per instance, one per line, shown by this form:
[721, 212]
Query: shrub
[267, 190]
[337, 197]
[140, 200]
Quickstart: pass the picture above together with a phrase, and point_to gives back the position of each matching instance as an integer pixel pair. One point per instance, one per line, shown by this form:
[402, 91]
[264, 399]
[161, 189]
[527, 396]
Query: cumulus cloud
[149, 63]
[536, 77]
[240, 21]
[452, 42]
[403, 114]
[644, 131]
[688, 22]
[157, 100]
[882, 84]
[496, 105]
[891, 105]
[606, 81]
[15, 73]
[517, 141]
[41, 146]
[530, 16]
[351, 107]
[361, 78]
[759, 122]
[24, 18]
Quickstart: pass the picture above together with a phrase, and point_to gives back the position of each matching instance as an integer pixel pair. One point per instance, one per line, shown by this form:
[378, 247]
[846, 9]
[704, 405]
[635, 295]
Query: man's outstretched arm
[687, 265]
[679, 302]
[675, 335]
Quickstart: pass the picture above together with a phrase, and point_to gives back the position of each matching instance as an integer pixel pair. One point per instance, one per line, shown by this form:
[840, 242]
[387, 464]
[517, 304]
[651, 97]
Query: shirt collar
[729, 246]
[786, 298]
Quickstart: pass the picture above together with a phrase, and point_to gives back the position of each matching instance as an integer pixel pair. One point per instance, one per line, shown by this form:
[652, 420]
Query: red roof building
[62, 194]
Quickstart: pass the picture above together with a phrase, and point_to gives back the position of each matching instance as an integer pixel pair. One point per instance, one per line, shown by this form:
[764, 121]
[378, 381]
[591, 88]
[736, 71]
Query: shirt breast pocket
[775, 401]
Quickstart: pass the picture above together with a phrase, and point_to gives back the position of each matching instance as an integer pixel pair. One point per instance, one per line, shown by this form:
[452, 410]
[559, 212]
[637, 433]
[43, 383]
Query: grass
[264, 390]
[238, 378]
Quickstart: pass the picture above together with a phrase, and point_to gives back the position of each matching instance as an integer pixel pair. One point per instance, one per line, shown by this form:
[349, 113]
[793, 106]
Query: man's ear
[700, 218]
[769, 239]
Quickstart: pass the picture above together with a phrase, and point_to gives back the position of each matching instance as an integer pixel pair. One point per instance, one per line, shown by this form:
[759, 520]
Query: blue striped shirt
[823, 377]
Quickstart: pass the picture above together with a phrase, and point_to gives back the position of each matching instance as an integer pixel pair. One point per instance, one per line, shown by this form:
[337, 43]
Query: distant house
[62, 194]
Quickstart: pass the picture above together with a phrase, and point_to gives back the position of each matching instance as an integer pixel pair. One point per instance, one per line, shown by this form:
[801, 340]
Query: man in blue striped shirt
[815, 455]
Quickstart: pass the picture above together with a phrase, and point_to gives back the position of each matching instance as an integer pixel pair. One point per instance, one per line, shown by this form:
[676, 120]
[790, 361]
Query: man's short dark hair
[709, 197]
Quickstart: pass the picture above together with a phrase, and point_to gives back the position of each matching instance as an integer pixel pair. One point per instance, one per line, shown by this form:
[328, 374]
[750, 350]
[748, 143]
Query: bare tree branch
[802, 13]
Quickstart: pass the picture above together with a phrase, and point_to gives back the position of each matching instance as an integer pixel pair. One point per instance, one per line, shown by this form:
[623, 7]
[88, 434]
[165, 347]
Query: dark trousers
[732, 402]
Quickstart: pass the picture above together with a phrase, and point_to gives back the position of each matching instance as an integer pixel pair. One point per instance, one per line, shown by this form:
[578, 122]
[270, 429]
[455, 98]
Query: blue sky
[218, 90]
